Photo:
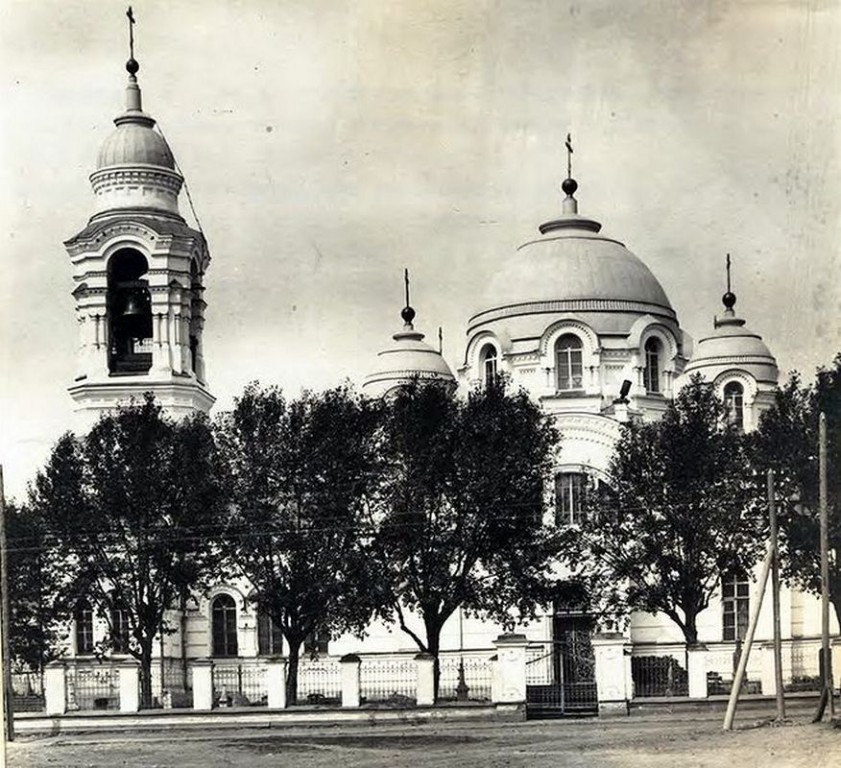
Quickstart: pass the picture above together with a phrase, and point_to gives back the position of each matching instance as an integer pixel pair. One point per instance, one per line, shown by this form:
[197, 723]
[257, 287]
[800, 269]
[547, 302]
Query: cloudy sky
[329, 143]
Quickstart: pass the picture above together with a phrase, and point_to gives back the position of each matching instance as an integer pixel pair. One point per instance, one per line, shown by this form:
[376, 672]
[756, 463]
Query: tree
[128, 508]
[461, 507]
[787, 442]
[676, 515]
[35, 624]
[301, 472]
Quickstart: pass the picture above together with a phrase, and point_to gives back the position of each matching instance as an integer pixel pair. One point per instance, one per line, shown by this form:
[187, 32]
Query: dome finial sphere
[569, 186]
[132, 66]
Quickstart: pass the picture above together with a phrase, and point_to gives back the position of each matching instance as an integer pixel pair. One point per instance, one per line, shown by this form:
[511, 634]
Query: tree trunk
[690, 630]
[433, 647]
[146, 675]
[292, 672]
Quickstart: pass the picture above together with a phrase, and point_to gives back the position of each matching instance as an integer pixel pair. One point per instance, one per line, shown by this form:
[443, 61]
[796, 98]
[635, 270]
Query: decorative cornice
[568, 305]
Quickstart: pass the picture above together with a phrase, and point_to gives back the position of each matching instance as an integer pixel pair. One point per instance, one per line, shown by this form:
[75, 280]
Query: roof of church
[135, 140]
[407, 359]
[733, 345]
[574, 262]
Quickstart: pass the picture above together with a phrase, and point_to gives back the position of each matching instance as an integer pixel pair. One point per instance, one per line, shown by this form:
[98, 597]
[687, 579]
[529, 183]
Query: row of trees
[337, 509]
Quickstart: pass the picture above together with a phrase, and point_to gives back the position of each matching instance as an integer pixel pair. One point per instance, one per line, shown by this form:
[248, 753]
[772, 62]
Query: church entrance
[561, 673]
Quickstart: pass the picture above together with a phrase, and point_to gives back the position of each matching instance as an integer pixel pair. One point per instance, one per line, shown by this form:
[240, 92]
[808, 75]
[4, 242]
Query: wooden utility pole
[5, 656]
[827, 697]
[743, 658]
[775, 597]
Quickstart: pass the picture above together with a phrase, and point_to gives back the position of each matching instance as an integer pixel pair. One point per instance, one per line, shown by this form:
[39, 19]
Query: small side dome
[732, 345]
[135, 142]
[408, 359]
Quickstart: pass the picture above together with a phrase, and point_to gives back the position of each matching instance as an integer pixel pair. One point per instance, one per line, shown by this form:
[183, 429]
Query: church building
[573, 316]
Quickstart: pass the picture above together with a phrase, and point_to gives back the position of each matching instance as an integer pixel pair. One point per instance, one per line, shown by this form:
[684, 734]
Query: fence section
[389, 680]
[93, 687]
[465, 678]
[320, 682]
[28, 691]
[239, 685]
[656, 676]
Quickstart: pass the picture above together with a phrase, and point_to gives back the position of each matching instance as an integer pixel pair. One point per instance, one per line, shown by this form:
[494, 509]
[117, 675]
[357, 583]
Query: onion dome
[572, 267]
[135, 167]
[408, 359]
[732, 346]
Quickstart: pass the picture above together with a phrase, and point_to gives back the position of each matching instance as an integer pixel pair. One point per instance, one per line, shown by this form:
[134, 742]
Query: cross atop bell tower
[139, 273]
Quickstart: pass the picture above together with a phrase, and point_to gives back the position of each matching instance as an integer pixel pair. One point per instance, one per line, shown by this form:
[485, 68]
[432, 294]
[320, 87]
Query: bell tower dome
[139, 272]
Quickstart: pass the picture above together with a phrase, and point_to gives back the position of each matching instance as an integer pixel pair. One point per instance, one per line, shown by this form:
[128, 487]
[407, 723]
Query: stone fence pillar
[129, 686]
[768, 674]
[276, 682]
[612, 651]
[350, 665]
[696, 670]
[425, 695]
[835, 655]
[203, 685]
[510, 675]
[55, 688]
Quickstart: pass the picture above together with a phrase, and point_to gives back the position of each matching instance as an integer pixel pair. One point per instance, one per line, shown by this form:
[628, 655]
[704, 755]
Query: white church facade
[573, 316]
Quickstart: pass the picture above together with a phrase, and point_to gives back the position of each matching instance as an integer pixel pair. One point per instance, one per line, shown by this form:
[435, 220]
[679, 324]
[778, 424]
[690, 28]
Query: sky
[328, 144]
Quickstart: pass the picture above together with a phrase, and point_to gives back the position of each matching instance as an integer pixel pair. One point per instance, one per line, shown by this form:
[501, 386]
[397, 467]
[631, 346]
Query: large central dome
[573, 267]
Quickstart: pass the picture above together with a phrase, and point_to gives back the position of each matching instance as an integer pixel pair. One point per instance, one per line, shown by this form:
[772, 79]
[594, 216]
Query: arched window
[129, 313]
[84, 627]
[568, 366]
[269, 636]
[224, 617]
[569, 497]
[651, 374]
[488, 358]
[119, 629]
[734, 401]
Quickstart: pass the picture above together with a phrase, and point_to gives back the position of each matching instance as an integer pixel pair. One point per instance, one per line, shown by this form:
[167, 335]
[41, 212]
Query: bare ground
[686, 741]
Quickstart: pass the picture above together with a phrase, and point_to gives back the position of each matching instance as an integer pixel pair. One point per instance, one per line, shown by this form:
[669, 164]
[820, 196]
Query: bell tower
[139, 272]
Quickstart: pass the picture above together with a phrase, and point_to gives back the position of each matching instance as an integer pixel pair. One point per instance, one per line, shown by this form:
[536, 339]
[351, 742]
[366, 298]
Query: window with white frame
[83, 617]
[735, 606]
[269, 636]
[569, 497]
[316, 643]
[224, 625]
[119, 628]
[734, 401]
[651, 372]
[489, 364]
[569, 369]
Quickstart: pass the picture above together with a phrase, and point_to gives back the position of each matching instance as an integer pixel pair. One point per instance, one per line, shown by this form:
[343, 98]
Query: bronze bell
[135, 318]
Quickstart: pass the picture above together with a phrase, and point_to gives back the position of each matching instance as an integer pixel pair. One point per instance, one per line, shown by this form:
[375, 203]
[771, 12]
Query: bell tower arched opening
[129, 314]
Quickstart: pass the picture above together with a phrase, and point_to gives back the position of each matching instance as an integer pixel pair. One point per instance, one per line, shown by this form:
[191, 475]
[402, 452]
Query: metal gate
[561, 673]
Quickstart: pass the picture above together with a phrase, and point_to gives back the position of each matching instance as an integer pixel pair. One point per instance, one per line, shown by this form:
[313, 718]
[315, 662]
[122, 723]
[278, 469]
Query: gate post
[350, 666]
[55, 688]
[203, 685]
[696, 670]
[511, 669]
[425, 692]
[612, 652]
[129, 686]
[276, 682]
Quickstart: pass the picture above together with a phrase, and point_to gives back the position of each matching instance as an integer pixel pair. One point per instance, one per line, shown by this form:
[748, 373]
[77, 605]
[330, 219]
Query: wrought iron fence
[319, 682]
[721, 663]
[28, 691]
[465, 678]
[658, 676]
[239, 685]
[171, 687]
[392, 681]
[806, 667]
[92, 687]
